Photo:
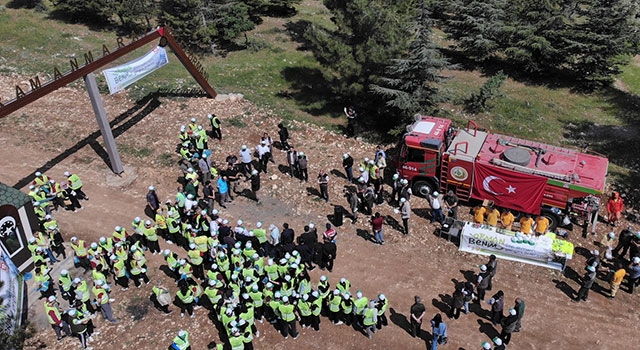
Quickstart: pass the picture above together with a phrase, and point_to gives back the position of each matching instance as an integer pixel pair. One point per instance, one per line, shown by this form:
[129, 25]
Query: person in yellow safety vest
[119, 234]
[201, 139]
[191, 174]
[193, 126]
[344, 285]
[214, 295]
[236, 339]
[76, 185]
[261, 236]
[53, 311]
[97, 275]
[107, 245]
[65, 282]
[40, 196]
[39, 258]
[173, 227]
[288, 318]
[316, 309]
[304, 310]
[347, 308]
[56, 194]
[39, 211]
[370, 318]
[185, 153]
[196, 261]
[161, 224]
[257, 300]
[161, 298]
[120, 251]
[185, 295]
[185, 270]
[138, 271]
[181, 341]
[382, 305]
[201, 243]
[151, 237]
[82, 293]
[44, 284]
[40, 180]
[172, 262]
[216, 132]
[32, 245]
[78, 322]
[103, 301]
[81, 253]
[138, 254]
[360, 304]
[120, 272]
[334, 307]
[184, 135]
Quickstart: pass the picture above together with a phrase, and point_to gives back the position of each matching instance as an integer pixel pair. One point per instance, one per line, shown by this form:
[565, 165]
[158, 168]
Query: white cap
[136, 219]
[301, 153]
[264, 142]
[151, 188]
[435, 193]
[382, 297]
[254, 172]
[72, 312]
[64, 272]
[595, 252]
[240, 222]
[483, 268]
[345, 156]
[323, 278]
[182, 333]
[285, 299]
[402, 200]
[38, 173]
[244, 147]
[193, 120]
[148, 222]
[118, 228]
[612, 235]
[52, 298]
[192, 246]
[343, 280]
[190, 196]
[67, 174]
[47, 216]
[102, 239]
[512, 312]
[636, 260]
[486, 346]
[497, 340]
[99, 282]
[76, 280]
[259, 224]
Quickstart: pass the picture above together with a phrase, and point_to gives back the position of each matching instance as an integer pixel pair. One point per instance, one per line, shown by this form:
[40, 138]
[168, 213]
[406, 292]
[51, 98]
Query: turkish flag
[508, 189]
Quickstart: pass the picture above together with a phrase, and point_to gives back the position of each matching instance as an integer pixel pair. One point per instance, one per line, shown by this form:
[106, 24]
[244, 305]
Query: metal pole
[103, 122]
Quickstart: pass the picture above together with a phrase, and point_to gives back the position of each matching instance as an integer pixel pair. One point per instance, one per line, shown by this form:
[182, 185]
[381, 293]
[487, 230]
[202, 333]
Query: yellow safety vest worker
[369, 319]
[80, 248]
[74, 182]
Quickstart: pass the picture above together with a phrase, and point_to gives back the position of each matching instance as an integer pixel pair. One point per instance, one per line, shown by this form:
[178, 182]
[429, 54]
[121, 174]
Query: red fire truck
[521, 175]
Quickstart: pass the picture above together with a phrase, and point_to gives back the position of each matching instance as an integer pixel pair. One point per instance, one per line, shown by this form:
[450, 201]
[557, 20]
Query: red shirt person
[615, 206]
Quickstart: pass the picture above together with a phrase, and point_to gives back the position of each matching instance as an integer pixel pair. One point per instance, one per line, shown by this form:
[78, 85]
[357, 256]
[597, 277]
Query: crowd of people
[245, 273]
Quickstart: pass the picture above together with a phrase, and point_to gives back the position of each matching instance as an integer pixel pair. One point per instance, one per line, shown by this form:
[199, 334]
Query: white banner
[486, 240]
[124, 75]
[10, 293]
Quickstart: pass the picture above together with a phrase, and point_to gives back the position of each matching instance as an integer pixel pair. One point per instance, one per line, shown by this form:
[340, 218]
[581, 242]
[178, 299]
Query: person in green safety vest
[120, 271]
[316, 301]
[181, 341]
[76, 185]
[82, 293]
[161, 298]
[334, 307]
[370, 318]
[79, 326]
[360, 304]
[100, 291]
[382, 304]
[187, 301]
[216, 131]
[346, 308]
[236, 339]
[288, 319]
[304, 310]
[53, 311]
[66, 286]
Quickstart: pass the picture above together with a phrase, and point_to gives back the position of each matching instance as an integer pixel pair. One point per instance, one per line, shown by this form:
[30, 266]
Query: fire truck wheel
[422, 188]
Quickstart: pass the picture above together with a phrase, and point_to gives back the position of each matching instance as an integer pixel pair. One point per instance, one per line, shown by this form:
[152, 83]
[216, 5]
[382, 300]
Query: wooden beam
[184, 59]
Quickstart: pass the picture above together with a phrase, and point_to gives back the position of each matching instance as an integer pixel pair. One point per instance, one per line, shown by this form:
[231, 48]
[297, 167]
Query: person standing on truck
[478, 214]
[526, 224]
[507, 219]
[615, 206]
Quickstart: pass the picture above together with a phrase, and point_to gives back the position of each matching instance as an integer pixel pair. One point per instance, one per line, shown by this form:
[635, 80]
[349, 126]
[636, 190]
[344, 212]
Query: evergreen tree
[411, 85]
[134, 13]
[188, 22]
[231, 18]
[600, 42]
[367, 34]
[86, 11]
[477, 26]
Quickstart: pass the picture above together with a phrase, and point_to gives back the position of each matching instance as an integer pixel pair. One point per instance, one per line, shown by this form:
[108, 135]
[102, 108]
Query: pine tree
[477, 26]
[367, 34]
[600, 42]
[86, 11]
[188, 22]
[411, 85]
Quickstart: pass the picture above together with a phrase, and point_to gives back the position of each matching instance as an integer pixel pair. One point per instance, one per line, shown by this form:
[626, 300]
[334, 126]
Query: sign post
[103, 122]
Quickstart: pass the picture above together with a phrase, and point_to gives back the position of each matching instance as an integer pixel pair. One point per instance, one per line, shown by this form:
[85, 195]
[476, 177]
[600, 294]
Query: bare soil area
[59, 133]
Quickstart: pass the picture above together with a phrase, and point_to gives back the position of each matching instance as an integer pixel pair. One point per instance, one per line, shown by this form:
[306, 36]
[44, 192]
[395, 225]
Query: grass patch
[166, 159]
[237, 122]
[138, 152]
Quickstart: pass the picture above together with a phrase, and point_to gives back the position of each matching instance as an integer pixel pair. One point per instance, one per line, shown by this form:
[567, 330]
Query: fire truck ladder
[463, 192]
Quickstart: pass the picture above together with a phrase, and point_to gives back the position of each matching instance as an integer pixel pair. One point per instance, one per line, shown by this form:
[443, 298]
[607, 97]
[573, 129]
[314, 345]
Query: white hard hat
[102, 239]
[483, 268]
[259, 224]
[32, 240]
[312, 225]
[497, 340]
[181, 334]
[210, 116]
[193, 120]
[52, 298]
[118, 228]
[64, 272]
[183, 128]
[264, 142]
[244, 147]
[166, 252]
[199, 127]
[190, 196]
[402, 200]
[38, 173]
[94, 245]
[76, 280]
[254, 172]
[612, 235]
[72, 312]
[285, 299]
[74, 238]
[345, 156]
[151, 188]
[382, 297]
[67, 174]
[147, 222]
[359, 294]
[323, 278]
[435, 193]
[636, 260]
[212, 282]
[486, 346]
[137, 219]
[512, 312]
[343, 280]
[99, 282]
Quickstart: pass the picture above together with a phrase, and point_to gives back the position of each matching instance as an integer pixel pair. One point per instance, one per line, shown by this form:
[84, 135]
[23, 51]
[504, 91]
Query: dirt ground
[59, 133]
